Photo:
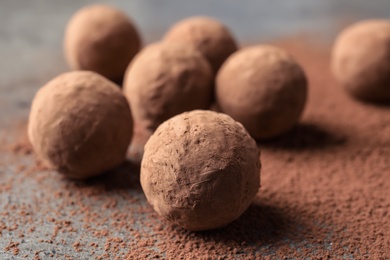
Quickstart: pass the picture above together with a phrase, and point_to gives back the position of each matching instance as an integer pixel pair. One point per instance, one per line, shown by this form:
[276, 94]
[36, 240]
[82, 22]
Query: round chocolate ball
[361, 60]
[164, 80]
[200, 170]
[102, 39]
[80, 124]
[209, 36]
[264, 88]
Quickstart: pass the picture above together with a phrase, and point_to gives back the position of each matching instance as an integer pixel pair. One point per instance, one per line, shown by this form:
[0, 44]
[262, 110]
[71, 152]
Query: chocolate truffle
[263, 88]
[207, 35]
[200, 170]
[80, 124]
[164, 80]
[361, 60]
[101, 39]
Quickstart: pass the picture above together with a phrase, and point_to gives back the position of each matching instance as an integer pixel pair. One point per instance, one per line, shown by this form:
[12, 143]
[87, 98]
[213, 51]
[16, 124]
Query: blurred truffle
[102, 39]
[263, 88]
[361, 60]
[207, 35]
[80, 124]
[200, 170]
[164, 80]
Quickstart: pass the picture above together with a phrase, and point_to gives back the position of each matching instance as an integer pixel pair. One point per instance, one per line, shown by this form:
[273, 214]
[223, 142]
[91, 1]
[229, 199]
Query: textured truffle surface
[165, 80]
[361, 60]
[263, 88]
[102, 39]
[80, 124]
[200, 170]
[213, 39]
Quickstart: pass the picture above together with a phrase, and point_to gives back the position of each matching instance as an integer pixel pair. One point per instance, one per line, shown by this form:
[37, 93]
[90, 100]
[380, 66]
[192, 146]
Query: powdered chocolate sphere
[101, 39]
[200, 170]
[80, 124]
[165, 80]
[263, 88]
[207, 35]
[361, 60]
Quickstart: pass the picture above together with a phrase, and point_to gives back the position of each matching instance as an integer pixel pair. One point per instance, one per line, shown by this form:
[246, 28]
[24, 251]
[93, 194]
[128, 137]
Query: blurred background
[31, 32]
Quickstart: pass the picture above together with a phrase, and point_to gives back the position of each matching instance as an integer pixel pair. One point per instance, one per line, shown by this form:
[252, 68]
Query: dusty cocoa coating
[263, 88]
[101, 38]
[209, 36]
[164, 80]
[361, 60]
[80, 124]
[200, 170]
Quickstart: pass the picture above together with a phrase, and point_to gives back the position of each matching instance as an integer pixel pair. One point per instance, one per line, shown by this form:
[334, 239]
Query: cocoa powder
[325, 194]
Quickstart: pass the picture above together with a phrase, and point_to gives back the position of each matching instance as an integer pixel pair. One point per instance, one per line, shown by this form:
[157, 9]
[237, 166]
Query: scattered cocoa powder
[77, 246]
[325, 194]
[13, 247]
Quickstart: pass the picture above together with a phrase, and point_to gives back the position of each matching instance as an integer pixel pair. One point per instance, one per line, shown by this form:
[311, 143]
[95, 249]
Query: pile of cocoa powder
[325, 194]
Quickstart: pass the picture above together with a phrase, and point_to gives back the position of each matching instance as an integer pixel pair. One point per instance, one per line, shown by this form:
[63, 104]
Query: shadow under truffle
[260, 224]
[124, 176]
[305, 136]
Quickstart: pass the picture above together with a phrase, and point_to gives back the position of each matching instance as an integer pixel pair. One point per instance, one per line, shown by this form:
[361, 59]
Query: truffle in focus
[200, 170]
